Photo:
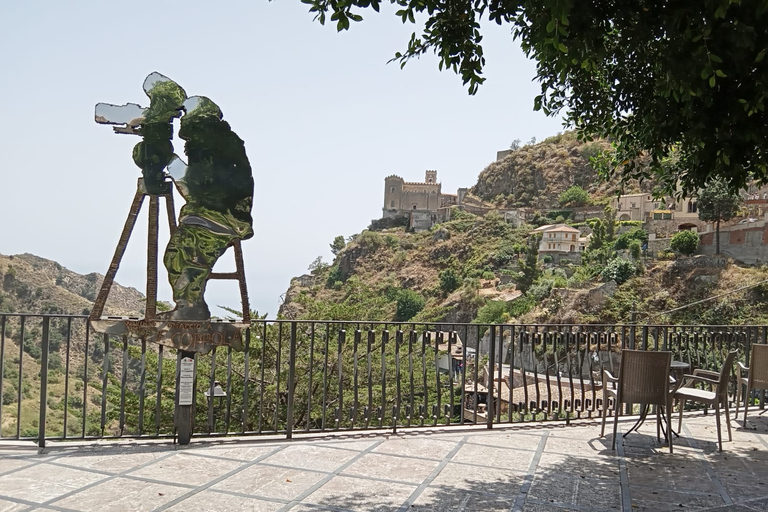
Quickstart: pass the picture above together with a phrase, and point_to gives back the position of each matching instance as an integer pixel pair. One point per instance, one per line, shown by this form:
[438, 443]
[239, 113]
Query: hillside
[469, 268]
[463, 271]
[31, 284]
[536, 174]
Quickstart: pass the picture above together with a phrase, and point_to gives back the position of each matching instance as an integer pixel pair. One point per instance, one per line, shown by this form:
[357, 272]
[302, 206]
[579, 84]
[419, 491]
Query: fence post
[291, 377]
[43, 382]
[490, 411]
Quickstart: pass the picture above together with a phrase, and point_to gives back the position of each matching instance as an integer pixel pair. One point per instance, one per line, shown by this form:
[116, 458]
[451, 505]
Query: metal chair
[718, 395]
[643, 379]
[756, 377]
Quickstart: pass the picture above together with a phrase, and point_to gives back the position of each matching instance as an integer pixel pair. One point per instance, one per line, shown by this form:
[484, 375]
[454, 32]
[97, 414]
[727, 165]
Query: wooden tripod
[150, 312]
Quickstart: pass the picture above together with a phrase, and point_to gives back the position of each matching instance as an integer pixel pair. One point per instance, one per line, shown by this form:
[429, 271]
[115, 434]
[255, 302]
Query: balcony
[362, 416]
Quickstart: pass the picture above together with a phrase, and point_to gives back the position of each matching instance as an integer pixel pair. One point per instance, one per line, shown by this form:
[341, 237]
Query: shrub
[521, 306]
[334, 274]
[540, 291]
[370, 239]
[634, 249]
[625, 239]
[574, 196]
[449, 280]
[9, 394]
[547, 258]
[685, 242]
[408, 304]
[493, 312]
[392, 241]
[619, 270]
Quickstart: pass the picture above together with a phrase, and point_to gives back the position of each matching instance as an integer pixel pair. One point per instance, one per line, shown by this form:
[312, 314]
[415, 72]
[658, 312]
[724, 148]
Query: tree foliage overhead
[687, 77]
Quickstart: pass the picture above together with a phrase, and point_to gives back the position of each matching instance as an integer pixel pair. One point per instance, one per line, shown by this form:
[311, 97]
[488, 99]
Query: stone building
[423, 202]
[561, 241]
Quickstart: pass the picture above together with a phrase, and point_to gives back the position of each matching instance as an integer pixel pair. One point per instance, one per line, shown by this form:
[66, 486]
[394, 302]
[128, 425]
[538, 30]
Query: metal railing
[60, 380]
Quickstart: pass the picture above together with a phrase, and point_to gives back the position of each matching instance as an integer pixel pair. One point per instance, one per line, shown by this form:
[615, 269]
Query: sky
[323, 115]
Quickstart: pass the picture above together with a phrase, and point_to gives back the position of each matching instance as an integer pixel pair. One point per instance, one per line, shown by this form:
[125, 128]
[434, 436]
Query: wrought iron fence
[59, 380]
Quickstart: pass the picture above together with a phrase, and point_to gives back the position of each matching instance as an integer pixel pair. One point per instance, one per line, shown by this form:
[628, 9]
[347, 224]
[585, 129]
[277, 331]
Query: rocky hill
[536, 174]
[31, 284]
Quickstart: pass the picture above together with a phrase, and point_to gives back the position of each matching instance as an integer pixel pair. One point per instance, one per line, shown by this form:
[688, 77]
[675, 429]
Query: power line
[707, 299]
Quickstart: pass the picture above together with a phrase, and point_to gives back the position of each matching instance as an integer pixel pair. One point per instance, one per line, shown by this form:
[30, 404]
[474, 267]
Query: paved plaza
[533, 468]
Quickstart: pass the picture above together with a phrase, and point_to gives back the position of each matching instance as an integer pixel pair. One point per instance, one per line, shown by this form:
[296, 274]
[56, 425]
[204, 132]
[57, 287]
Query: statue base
[188, 335]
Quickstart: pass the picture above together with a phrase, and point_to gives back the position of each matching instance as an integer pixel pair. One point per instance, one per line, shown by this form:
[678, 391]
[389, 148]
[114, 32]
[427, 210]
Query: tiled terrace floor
[536, 468]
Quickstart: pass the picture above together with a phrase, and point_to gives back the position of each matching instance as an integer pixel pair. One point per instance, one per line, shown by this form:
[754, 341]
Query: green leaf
[715, 58]
[562, 47]
[720, 73]
[761, 55]
[551, 26]
[712, 81]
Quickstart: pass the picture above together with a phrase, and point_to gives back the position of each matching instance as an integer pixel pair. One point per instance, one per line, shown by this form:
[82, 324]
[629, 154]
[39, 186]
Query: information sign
[186, 381]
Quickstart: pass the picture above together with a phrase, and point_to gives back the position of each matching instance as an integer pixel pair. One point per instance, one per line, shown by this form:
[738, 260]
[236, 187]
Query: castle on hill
[422, 202]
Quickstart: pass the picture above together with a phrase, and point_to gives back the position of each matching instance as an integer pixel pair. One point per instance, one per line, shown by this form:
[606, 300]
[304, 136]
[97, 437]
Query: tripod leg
[106, 285]
[151, 307]
[241, 280]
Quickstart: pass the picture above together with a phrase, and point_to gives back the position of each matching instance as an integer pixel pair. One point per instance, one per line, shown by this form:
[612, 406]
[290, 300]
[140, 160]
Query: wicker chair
[718, 395]
[756, 377]
[643, 379]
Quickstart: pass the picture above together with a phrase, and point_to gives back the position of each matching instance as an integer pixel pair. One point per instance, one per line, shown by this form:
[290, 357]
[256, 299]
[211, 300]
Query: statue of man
[155, 151]
[217, 185]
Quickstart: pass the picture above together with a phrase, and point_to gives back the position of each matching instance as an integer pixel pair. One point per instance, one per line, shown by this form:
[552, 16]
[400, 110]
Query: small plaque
[186, 381]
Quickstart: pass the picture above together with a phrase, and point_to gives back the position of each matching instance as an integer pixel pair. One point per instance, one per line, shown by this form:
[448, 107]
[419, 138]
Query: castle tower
[430, 177]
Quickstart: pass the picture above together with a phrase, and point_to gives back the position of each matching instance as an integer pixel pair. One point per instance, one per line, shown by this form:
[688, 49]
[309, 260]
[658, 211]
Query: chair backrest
[644, 377]
[758, 367]
[725, 372]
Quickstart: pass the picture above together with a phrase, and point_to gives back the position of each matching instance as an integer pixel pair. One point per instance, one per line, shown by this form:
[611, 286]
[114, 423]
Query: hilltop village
[744, 238]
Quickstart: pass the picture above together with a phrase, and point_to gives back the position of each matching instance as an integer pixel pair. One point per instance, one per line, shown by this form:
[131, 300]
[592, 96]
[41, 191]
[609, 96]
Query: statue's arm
[177, 170]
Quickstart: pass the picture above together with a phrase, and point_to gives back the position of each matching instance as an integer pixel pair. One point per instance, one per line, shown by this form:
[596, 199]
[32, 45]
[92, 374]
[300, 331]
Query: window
[392, 190]
[414, 207]
[391, 204]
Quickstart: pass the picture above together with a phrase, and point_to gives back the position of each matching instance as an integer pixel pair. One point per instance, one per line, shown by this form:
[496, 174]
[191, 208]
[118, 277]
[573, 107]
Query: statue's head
[166, 96]
[200, 107]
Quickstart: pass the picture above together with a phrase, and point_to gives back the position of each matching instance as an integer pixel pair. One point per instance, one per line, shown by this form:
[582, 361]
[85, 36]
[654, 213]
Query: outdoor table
[677, 370]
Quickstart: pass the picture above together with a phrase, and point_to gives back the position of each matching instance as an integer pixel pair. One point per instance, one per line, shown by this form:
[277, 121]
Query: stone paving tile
[563, 489]
[416, 447]
[539, 507]
[186, 469]
[7, 465]
[604, 467]
[208, 501]
[308, 456]
[504, 482]
[662, 500]
[246, 451]
[122, 494]
[508, 440]
[691, 476]
[404, 469]
[270, 482]
[110, 461]
[440, 499]
[44, 482]
[559, 442]
[10, 506]
[360, 494]
[496, 457]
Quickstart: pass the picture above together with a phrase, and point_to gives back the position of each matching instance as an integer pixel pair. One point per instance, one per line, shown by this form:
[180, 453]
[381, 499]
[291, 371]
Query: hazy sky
[323, 116]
